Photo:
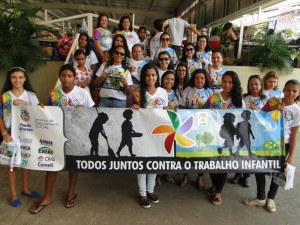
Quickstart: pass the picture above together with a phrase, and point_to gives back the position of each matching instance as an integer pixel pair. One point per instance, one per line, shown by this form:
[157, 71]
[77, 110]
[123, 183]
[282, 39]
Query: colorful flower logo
[175, 132]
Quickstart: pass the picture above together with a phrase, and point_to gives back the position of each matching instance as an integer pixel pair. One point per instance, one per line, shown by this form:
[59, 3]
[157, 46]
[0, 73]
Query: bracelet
[4, 133]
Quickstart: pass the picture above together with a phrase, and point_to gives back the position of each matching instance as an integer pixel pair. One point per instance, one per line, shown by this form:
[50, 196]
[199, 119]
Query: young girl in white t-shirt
[18, 91]
[271, 85]
[149, 95]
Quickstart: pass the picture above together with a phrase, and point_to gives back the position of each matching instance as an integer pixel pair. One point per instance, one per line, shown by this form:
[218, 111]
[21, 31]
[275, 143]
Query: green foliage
[198, 137]
[18, 45]
[288, 31]
[271, 52]
[207, 138]
[270, 145]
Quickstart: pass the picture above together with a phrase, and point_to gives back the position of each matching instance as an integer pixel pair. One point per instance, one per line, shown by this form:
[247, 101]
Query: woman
[203, 51]
[181, 78]
[115, 80]
[125, 28]
[164, 63]
[102, 36]
[84, 45]
[216, 71]
[189, 57]
[227, 43]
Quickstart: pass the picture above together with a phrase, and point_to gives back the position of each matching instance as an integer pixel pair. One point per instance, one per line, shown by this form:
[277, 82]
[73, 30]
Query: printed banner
[148, 140]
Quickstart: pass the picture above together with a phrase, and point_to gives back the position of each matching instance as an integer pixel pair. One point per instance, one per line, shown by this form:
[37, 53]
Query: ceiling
[145, 12]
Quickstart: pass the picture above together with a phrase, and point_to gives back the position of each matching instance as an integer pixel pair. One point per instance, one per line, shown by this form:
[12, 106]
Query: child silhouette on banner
[227, 132]
[127, 133]
[243, 132]
[97, 128]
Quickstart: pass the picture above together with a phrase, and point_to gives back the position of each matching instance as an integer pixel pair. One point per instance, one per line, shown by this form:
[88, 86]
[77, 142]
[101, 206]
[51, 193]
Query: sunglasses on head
[165, 39]
[164, 59]
[119, 53]
[189, 49]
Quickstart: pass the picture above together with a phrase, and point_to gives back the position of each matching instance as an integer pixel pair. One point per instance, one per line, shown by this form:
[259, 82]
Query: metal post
[133, 19]
[241, 38]
[90, 24]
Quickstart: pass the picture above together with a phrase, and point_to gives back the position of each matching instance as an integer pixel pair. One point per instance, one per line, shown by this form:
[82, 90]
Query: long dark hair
[183, 58]
[236, 92]
[111, 61]
[186, 78]
[120, 26]
[261, 92]
[143, 85]
[207, 47]
[88, 45]
[8, 85]
[79, 52]
[125, 46]
[207, 84]
[163, 77]
[99, 18]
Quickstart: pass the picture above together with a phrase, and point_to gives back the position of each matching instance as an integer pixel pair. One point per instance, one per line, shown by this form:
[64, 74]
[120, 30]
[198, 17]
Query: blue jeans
[112, 103]
[146, 183]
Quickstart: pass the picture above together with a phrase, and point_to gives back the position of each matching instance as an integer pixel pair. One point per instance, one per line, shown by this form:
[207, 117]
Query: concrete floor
[113, 199]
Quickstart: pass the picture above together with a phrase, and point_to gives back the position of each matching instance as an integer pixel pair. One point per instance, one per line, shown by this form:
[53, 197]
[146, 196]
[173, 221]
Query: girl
[189, 57]
[16, 90]
[115, 80]
[91, 58]
[155, 40]
[203, 51]
[291, 112]
[168, 83]
[119, 40]
[194, 97]
[164, 63]
[271, 85]
[164, 47]
[149, 95]
[229, 98]
[181, 78]
[216, 71]
[254, 99]
[102, 36]
[83, 74]
[125, 28]
[66, 95]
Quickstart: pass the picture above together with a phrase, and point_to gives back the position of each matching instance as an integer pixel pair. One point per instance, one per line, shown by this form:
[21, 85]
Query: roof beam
[90, 8]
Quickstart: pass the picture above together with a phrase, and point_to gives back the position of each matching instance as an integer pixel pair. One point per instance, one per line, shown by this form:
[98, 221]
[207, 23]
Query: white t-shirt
[158, 100]
[160, 73]
[154, 45]
[145, 46]
[137, 73]
[256, 101]
[131, 37]
[112, 87]
[77, 97]
[291, 119]
[194, 98]
[177, 27]
[8, 97]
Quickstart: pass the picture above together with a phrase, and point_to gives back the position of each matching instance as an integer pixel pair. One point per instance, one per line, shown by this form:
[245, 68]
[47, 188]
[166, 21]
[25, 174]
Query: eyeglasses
[119, 53]
[164, 59]
[181, 70]
[189, 49]
[165, 39]
[202, 41]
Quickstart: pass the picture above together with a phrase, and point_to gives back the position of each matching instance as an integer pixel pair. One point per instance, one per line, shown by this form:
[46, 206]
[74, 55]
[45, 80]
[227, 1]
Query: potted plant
[18, 44]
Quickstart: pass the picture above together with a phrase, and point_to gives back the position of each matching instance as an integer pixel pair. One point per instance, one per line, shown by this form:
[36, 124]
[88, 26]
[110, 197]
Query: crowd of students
[138, 74]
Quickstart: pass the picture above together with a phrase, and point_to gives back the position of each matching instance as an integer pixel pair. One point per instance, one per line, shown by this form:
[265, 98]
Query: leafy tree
[198, 139]
[207, 138]
[270, 146]
[18, 44]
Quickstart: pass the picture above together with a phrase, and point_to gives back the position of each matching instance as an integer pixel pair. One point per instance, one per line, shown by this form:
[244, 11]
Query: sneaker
[255, 202]
[271, 207]
[153, 198]
[146, 203]
[236, 178]
[245, 182]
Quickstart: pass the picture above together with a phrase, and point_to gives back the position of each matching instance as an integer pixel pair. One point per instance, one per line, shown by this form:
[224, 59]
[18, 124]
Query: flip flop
[33, 194]
[38, 208]
[15, 203]
[217, 200]
[72, 202]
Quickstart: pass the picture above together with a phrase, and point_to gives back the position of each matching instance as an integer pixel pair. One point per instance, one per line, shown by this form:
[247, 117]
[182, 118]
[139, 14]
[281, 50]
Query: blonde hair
[271, 74]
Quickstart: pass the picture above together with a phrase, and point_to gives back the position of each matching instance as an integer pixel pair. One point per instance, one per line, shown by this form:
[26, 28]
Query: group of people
[130, 77]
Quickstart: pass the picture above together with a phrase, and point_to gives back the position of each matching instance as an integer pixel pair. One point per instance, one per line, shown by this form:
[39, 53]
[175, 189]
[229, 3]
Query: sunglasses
[189, 49]
[164, 59]
[119, 53]
[165, 39]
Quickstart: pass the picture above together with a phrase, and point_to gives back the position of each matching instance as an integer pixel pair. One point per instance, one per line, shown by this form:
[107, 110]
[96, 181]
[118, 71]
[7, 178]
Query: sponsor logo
[40, 158]
[24, 114]
[25, 127]
[25, 140]
[46, 142]
[25, 147]
[45, 165]
[49, 158]
[25, 155]
[45, 150]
